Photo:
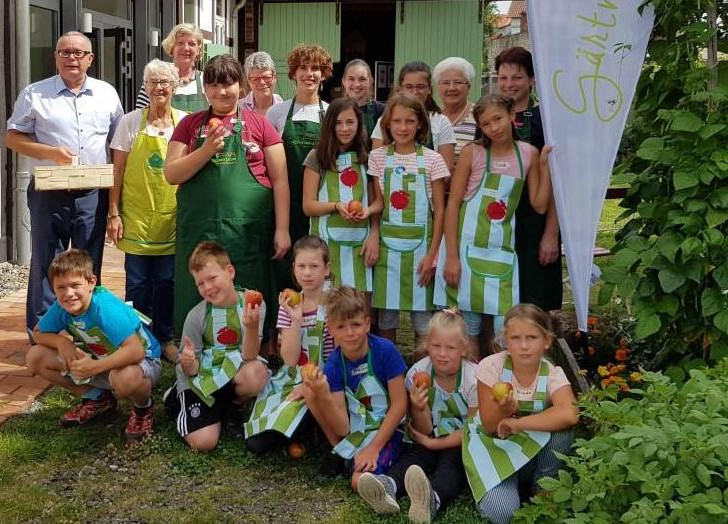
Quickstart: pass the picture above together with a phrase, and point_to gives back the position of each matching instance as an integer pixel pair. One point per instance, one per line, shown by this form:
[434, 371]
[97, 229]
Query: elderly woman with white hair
[260, 72]
[453, 77]
[184, 44]
[143, 206]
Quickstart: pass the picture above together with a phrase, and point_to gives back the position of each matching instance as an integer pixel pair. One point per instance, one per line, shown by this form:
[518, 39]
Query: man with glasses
[67, 115]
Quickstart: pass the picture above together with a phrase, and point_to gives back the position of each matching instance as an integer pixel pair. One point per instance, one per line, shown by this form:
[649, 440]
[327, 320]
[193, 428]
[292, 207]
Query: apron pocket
[347, 234]
[402, 237]
[490, 262]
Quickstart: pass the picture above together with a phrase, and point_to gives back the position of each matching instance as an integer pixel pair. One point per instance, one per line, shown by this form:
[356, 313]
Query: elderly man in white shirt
[66, 115]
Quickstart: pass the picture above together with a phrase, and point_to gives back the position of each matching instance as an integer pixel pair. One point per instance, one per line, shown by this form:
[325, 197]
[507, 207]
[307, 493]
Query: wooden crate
[48, 178]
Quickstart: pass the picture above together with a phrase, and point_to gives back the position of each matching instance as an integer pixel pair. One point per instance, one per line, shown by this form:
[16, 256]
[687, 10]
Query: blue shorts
[389, 454]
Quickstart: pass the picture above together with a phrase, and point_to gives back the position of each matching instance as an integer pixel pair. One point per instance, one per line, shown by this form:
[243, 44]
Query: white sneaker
[423, 503]
[374, 493]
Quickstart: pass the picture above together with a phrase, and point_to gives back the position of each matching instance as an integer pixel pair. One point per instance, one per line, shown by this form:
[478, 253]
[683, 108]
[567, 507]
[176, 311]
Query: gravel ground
[12, 278]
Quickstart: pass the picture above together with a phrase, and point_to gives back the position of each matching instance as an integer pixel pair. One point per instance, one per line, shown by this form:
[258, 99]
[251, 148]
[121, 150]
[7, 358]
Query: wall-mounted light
[154, 38]
[87, 23]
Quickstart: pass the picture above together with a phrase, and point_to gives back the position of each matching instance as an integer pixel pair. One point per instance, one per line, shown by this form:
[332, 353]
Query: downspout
[236, 10]
[21, 222]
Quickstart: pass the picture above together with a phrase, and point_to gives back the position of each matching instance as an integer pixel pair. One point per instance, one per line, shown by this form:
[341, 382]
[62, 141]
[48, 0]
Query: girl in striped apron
[340, 199]
[360, 399]
[218, 362]
[279, 408]
[430, 470]
[412, 179]
[480, 269]
[513, 440]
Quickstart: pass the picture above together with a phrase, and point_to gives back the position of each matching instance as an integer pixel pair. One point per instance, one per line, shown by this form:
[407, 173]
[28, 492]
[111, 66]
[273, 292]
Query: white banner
[587, 57]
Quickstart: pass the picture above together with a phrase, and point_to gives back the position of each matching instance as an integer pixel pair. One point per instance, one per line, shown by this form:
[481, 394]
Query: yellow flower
[603, 371]
[635, 376]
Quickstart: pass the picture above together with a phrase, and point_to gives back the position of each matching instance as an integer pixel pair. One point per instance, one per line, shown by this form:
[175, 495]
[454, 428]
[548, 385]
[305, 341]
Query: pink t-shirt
[490, 369]
[308, 320]
[434, 164]
[257, 129]
[504, 165]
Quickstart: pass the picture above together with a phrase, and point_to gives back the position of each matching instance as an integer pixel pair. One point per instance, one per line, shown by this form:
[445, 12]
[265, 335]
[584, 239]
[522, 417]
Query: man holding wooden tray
[54, 122]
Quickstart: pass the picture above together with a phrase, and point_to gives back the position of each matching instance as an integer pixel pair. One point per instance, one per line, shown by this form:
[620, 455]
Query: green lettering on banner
[604, 98]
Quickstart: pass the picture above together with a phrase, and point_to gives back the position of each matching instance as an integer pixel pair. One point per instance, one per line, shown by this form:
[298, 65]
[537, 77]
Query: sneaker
[89, 409]
[423, 500]
[139, 424]
[333, 466]
[373, 489]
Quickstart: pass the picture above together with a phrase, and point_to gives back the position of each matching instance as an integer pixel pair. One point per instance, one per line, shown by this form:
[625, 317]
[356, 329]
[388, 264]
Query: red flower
[622, 355]
[399, 199]
[497, 210]
[349, 177]
[227, 336]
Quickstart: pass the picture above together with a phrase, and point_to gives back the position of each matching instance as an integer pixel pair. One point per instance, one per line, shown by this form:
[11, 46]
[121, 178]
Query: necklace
[457, 118]
[188, 79]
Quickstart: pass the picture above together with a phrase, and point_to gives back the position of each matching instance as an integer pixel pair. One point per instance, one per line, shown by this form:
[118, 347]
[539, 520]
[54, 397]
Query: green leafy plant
[658, 456]
[671, 257]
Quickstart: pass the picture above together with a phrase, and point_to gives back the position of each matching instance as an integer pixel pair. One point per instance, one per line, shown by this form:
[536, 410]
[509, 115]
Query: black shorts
[194, 414]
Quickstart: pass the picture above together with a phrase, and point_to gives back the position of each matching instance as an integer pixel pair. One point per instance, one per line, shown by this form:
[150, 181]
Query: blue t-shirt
[103, 327]
[387, 363]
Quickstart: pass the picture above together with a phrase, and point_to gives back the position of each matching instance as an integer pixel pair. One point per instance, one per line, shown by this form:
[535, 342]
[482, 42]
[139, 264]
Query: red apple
[399, 199]
[296, 450]
[421, 380]
[497, 210]
[213, 124]
[354, 207]
[293, 297]
[501, 390]
[349, 177]
[227, 336]
[253, 297]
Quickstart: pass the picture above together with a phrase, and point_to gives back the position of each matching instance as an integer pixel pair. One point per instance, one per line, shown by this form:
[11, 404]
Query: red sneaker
[139, 424]
[89, 409]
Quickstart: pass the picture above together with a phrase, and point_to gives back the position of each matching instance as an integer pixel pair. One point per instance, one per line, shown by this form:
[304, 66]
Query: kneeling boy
[91, 343]
[218, 363]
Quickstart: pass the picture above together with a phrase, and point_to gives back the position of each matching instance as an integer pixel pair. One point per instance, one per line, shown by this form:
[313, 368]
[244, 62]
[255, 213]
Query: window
[43, 36]
[118, 8]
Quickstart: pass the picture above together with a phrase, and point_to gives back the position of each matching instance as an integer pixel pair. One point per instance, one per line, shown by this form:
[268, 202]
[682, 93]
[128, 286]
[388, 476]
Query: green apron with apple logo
[404, 238]
[490, 460]
[367, 407]
[344, 238]
[272, 410]
[192, 103]
[486, 246]
[148, 202]
[221, 355]
[224, 203]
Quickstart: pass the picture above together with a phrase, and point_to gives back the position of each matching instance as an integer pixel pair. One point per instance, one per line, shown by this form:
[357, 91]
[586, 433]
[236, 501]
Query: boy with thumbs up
[91, 343]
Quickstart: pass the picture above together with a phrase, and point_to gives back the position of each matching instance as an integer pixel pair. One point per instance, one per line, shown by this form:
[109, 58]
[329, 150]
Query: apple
[293, 297]
[227, 336]
[501, 390]
[296, 450]
[213, 124]
[308, 371]
[253, 297]
[354, 207]
[421, 380]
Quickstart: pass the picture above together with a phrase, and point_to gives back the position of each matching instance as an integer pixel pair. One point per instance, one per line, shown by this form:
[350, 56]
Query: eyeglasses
[452, 83]
[77, 53]
[415, 87]
[264, 79]
[160, 83]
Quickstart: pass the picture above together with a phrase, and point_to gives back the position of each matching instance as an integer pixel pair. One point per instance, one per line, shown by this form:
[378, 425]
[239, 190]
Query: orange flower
[614, 370]
[606, 382]
[592, 351]
[617, 379]
[624, 388]
[622, 355]
[592, 321]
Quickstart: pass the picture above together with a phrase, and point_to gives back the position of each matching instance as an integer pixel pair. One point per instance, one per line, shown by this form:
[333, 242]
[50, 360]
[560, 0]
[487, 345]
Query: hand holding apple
[214, 140]
[253, 297]
[419, 398]
[507, 403]
[501, 390]
[292, 297]
[308, 371]
[251, 316]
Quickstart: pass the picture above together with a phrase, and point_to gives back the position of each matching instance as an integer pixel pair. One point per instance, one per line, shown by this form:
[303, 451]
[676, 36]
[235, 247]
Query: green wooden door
[285, 25]
[435, 29]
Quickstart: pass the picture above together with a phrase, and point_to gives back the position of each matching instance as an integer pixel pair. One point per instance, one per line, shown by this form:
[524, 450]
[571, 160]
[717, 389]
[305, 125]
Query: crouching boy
[93, 344]
[218, 364]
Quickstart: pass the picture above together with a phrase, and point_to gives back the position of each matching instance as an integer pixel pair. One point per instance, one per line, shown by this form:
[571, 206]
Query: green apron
[221, 355]
[486, 244]
[224, 202]
[344, 238]
[489, 460]
[148, 203]
[271, 410]
[299, 137]
[404, 238]
[367, 407]
[192, 103]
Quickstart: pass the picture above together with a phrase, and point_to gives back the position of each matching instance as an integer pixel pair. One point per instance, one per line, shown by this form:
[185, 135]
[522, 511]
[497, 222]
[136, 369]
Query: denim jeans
[150, 287]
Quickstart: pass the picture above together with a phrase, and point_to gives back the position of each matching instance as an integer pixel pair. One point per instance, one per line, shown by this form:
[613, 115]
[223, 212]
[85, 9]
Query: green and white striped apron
[345, 238]
[486, 233]
[404, 238]
[489, 460]
[271, 410]
[367, 408]
[221, 355]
